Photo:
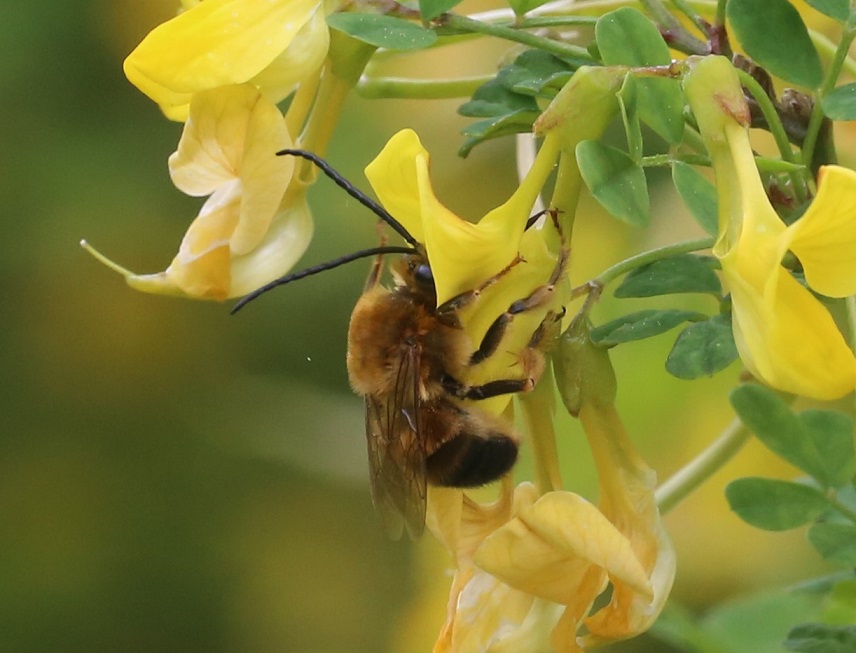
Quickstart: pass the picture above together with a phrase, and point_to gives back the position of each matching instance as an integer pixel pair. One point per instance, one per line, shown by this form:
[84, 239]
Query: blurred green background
[173, 478]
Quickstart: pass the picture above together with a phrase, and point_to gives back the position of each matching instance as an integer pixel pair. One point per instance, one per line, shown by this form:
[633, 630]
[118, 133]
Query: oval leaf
[837, 9]
[835, 542]
[627, 37]
[775, 36]
[818, 442]
[698, 194]
[637, 326]
[840, 103]
[821, 638]
[615, 181]
[430, 9]
[676, 274]
[703, 349]
[383, 31]
[775, 505]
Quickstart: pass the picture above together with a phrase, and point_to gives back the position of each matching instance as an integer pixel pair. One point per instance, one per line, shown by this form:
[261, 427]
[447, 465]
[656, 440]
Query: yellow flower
[464, 255]
[784, 334]
[528, 570]
[253, 226]
[272, 44]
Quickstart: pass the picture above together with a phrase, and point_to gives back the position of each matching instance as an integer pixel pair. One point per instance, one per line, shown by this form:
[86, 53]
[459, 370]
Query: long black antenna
[354, 192]
[321, 267]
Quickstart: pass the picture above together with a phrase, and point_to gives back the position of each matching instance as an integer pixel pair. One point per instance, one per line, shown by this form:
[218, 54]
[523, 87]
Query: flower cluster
[220, 66]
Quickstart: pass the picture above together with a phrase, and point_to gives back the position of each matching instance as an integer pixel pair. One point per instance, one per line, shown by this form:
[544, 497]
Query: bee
[408, 358]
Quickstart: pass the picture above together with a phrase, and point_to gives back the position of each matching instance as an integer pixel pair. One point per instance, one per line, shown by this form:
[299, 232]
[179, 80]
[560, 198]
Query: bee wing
[397, 452]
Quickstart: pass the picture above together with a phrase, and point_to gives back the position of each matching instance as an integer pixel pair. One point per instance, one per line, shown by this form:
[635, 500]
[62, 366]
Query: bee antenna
[354, 192]
[321, 267]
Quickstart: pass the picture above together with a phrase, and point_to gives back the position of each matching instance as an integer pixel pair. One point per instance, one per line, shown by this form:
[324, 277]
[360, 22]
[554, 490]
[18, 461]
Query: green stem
[702, 467]
[684, 7]
[650, 256]
[816, 120]
[565, 50]
[776, 128]
[419, 89]
[679, 36]
[719, 16]
[774, 123]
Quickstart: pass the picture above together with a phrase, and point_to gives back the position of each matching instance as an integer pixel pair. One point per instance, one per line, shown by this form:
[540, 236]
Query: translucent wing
[397, 452]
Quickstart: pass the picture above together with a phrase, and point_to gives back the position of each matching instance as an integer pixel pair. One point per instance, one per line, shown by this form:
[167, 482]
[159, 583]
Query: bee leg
[540, 296]
[487, 390]
[377, 265]
[446, 311]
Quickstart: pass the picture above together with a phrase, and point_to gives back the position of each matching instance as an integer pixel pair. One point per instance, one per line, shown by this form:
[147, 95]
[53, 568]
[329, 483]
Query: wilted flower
[271, 44]
[255, 223]
[784, 334]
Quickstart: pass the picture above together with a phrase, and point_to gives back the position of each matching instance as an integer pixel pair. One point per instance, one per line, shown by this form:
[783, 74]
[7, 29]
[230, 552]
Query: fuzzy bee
[408, 357]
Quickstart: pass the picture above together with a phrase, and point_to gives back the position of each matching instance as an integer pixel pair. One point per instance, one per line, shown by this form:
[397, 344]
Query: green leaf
[430, 9]
[835, 542]
[832, 435]
[640, 325]
[630, 117]
[615, 181]
[758, 623]
[777, 39]
[493, 99]
[535, 72]
[703, 349]
[627, 37]
[821, 638]
[837, 9]
[383, 31]
[676, 274]
[840, 103]
[818, 442]
[508, 100]
[698, 194]
[775, 505]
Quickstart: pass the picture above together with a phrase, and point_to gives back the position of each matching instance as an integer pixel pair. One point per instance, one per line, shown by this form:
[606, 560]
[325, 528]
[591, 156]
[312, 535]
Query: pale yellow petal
[549, 549]
[284, 242]
[201, 269]
[824, 238]
[214, 43]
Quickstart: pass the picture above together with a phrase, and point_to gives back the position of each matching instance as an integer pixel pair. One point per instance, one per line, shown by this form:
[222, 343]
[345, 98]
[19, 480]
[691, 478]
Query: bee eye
[423, 275]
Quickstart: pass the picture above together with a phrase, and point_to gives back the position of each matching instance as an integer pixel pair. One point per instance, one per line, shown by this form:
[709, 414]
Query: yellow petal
[627, 499]
[214, 43]
[392, 175]
[462, 254]
[301, 59]
[824, 238]
[787, 338]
